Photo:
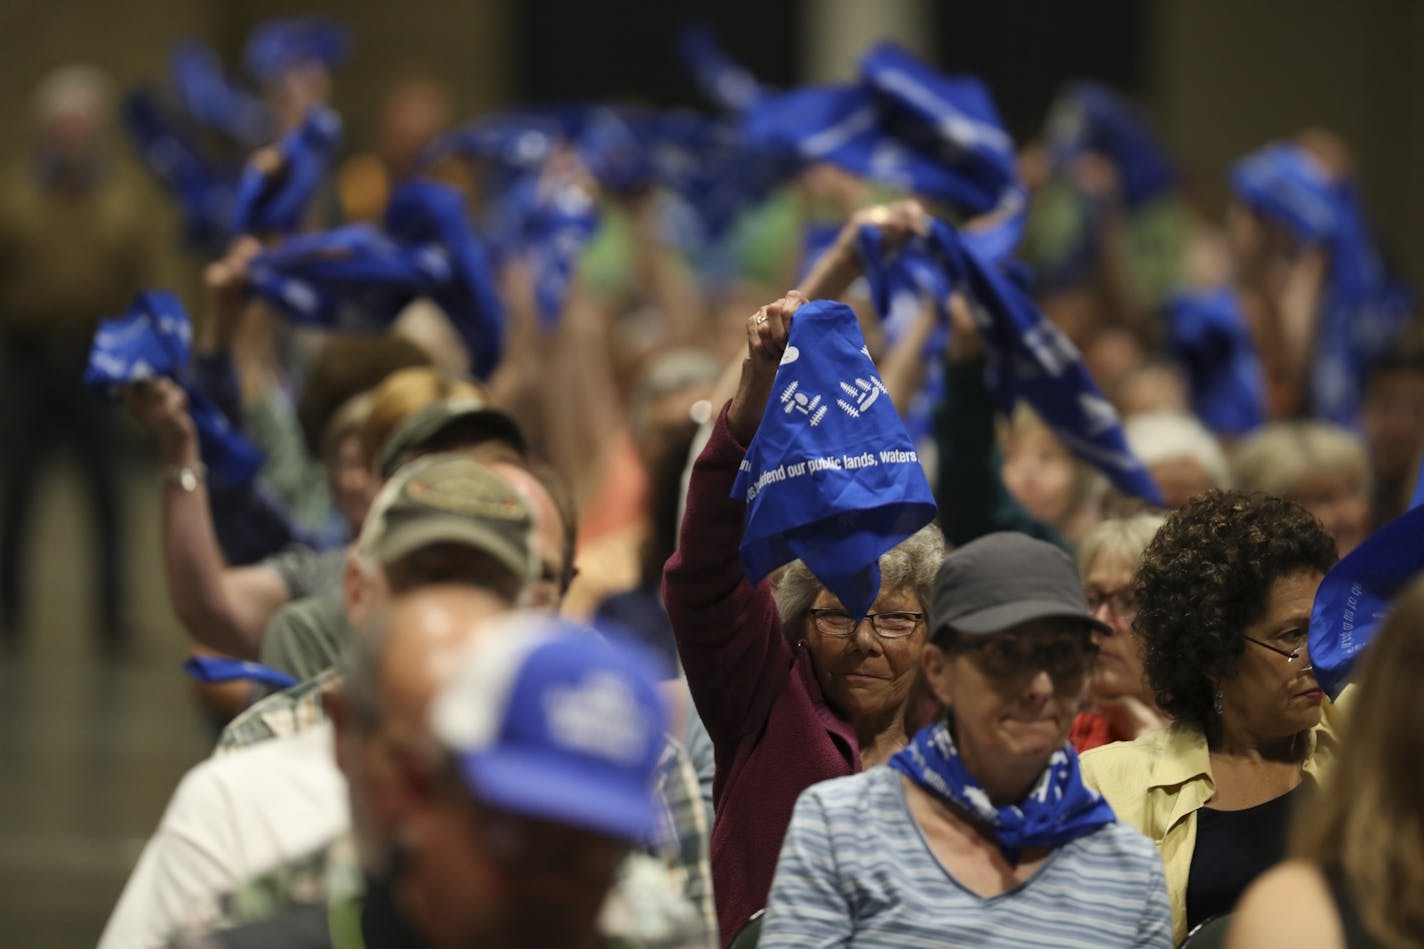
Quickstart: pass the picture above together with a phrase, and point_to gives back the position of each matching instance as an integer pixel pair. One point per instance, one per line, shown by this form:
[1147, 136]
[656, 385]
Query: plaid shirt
[684, 841]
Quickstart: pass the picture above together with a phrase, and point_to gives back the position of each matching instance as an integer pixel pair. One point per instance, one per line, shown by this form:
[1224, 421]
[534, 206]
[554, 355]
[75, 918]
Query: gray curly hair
[910, 565]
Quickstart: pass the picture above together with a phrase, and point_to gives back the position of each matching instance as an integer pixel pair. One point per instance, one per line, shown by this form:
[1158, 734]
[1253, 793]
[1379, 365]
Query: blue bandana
[556, 232]
[1027, 356]
[1088, 117]
[155, 339]
[203, 190]
[831, 478]
[1207, 334]
[1364, 309]
[223, 669]
[901, 125]
[353, 278]
[359, 278]
[214, 100]
[431, 218]
[1356, 595]
[274, 203]
[1059, 809]
[720, 78]
[276, 46]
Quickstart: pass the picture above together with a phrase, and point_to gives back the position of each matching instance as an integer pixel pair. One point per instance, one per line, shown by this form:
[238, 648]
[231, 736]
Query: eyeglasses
[1120, 602]
[896, 624]
[1291, 655]
[1007, 656]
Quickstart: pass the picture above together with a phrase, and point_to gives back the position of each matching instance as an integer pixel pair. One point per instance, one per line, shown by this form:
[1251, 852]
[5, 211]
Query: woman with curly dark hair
[1224, 594]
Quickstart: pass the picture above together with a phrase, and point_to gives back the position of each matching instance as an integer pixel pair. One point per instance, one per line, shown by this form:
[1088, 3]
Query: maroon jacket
[773, 734]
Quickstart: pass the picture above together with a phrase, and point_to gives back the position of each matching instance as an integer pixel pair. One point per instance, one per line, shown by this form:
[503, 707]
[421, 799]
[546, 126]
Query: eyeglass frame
[1291, 655]
[815, 615]
[1121, 601]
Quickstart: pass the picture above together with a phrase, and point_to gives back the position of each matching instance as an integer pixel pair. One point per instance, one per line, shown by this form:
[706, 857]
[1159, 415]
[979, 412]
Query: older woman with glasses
[1224, 594]
[1120, 705]
[980, 832]
[792, 689]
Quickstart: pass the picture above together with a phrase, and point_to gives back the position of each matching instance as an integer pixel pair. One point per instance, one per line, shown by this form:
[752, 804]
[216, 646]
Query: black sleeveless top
[1232, 849]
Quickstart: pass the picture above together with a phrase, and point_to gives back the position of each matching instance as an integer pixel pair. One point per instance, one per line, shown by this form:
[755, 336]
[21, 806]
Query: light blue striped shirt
[855, 869]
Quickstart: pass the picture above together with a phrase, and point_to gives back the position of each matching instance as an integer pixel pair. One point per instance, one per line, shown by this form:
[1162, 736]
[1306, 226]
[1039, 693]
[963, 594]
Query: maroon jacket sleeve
[728, 630]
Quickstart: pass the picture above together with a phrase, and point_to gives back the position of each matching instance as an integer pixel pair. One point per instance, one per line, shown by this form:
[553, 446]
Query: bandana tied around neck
[1060, 808]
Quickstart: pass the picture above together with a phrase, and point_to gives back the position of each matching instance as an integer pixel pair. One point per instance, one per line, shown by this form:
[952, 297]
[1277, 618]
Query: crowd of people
[598, 525]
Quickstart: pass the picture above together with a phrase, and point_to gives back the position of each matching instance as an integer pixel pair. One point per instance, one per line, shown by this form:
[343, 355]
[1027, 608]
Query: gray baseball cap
[449, 499]
[1004, 579]
[423, 426]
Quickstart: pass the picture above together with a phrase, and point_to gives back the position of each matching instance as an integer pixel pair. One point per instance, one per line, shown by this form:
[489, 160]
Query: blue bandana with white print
[1060, 808]
[831, 478]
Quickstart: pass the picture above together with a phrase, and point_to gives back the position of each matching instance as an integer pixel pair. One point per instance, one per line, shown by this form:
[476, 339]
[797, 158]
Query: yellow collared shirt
[1157, 783]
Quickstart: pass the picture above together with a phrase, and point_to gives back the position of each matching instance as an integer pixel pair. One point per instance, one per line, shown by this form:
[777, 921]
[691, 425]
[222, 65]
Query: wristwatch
[185, 478]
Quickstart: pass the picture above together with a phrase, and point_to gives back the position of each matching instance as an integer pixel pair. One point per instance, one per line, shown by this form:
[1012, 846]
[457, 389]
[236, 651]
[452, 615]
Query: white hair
[1158, 437]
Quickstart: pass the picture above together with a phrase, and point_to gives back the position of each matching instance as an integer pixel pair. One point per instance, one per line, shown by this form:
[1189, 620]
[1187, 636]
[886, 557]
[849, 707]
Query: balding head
[553, 533]
[396, 667]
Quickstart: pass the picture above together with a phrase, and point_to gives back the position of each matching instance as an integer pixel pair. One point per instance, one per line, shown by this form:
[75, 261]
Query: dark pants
[45, 402]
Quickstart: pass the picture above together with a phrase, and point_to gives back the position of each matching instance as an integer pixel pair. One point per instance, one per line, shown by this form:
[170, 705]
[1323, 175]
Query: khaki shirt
[1157, 783]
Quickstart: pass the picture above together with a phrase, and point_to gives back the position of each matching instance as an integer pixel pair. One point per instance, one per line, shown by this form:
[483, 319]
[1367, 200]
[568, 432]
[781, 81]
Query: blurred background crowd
[1219, 208]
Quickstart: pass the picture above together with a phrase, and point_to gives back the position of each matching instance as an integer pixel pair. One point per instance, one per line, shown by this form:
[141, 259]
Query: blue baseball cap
[547, 719]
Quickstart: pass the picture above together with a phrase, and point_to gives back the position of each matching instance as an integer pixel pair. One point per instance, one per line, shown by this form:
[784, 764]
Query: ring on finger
[761, 318]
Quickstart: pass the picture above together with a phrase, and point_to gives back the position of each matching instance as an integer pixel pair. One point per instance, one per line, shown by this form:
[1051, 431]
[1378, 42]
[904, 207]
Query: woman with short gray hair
[793, 689]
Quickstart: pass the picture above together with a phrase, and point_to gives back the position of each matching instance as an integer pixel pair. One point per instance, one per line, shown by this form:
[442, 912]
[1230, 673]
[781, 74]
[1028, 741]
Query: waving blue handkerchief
[431, 218]
[1207, 333]
[213, 99]
[204, 191]
[155, 339]
[351, 278]
[1356, 595]
[831, 477]
[1088, 117]
[272, 201]
[276, 46]
[1364, 309]
[719, 77]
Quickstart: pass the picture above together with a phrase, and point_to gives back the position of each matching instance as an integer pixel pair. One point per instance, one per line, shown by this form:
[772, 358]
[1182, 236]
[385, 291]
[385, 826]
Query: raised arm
[728, 631]
[839, 267]
[222, 607]
[973, 500]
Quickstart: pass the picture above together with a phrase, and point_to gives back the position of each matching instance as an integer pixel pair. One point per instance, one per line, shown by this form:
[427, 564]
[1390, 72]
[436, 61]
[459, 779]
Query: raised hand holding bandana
[1364, 309]
[831, 478]
[1208, 335]
[271, 200]
[1356, 595]
[1027, 356]
[155, 339]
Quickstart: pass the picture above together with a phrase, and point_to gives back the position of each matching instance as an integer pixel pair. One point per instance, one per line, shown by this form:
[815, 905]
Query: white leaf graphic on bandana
[863, 395]
[796, 401]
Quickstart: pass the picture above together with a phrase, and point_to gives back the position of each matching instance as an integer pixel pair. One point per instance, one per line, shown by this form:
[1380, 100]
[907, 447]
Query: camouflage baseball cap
[480, 421]
[450, 499]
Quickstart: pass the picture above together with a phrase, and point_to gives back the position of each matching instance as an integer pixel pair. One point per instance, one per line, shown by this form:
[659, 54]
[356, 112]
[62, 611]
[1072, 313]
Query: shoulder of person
[1119, 758]
[854, 793]
[1289, 906]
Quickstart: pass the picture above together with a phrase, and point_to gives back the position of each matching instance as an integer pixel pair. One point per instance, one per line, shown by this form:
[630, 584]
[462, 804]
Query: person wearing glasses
[1224, 594]
[791, 689]
[981, 831]
[1120, 705]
